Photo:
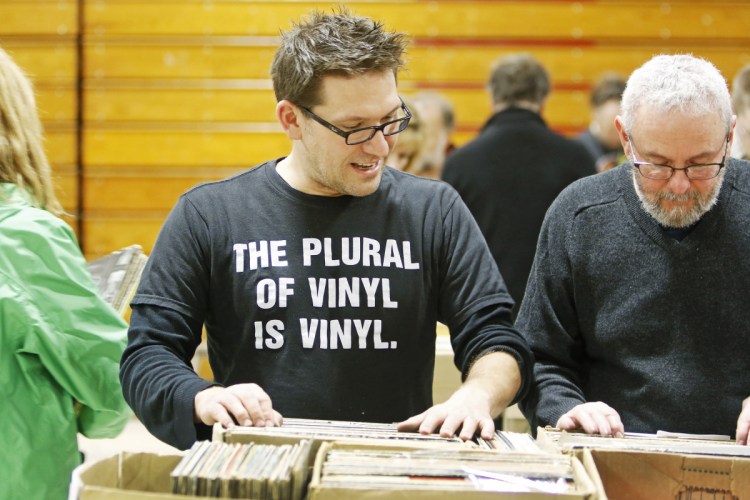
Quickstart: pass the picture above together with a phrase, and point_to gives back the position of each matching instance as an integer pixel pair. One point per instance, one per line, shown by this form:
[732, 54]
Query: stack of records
[258, 471]
[117, 275]
[661, 442]
[445, 470]
[510, 441]
[331, 430]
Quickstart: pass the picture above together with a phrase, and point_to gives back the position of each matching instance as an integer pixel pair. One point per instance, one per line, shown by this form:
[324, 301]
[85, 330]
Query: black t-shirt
[328, 303]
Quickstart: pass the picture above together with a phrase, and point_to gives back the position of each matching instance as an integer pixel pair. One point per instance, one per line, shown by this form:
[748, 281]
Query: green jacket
[60, 346]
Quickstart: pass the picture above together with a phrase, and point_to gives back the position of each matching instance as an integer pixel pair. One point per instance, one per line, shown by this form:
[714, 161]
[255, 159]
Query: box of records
[345, 470]
[258, 471]
[127, 476]
[320, 431]
[209, 469]
[662, 465]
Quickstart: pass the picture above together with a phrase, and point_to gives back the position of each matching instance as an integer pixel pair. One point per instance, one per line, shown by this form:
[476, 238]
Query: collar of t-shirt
[679, 233]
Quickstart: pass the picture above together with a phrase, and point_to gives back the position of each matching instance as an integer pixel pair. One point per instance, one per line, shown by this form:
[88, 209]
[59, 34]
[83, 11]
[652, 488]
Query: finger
[217, 413]
[434, 420]
[584, 421]
[267, 411]
[449, 425]
[468, 428]
[601, 421]
[743, 429]
[618, 429]
[253, 409]
[566, 423]
[411, 424]
[277, 419]
[236, 408]
[487, 428]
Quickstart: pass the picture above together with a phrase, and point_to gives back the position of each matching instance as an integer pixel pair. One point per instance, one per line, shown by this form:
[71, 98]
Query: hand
[743, 423]
[593, 418]
[246, 404]
[464, 410]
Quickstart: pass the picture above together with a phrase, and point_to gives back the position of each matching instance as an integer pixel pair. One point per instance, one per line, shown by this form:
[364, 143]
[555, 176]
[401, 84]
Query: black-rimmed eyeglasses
[697, 172]
[364, 134]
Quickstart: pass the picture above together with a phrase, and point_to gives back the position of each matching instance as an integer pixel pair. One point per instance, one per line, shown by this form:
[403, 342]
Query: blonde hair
[411, 140]
[22, 158]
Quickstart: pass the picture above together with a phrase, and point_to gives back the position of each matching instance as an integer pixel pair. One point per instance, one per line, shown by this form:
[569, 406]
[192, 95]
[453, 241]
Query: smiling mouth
[365, 166]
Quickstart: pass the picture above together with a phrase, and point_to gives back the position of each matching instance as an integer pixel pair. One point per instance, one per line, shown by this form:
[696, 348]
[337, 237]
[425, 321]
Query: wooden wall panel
[107, 232]
[177, 92]
[44, 60]
[527, 19]
[167, 104]
[121, 192]
[37, 18]
[198, 58]
[179, 149]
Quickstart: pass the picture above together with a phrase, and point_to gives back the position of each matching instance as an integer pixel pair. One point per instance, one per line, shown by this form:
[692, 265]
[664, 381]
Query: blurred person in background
[741, 106]
[601, 138]
[60, 343]
[438, 116]
[408, 152]
[512, 171]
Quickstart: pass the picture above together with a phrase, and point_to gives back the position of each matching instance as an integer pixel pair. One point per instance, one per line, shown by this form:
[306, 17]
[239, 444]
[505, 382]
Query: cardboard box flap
[640, 474]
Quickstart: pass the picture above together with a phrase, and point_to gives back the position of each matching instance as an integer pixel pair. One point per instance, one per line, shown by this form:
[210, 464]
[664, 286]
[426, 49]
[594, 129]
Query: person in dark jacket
[515, 168]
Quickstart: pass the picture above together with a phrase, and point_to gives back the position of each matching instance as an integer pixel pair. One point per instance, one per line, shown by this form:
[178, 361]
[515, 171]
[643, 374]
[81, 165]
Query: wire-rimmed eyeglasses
[696, 172]
[364, 134]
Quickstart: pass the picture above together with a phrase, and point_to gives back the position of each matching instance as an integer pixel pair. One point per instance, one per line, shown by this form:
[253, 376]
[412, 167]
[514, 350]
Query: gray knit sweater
[618, 311]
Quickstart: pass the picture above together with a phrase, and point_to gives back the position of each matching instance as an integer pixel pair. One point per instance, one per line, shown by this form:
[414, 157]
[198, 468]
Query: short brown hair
[517, 78]
[609, 87]
[323, 44]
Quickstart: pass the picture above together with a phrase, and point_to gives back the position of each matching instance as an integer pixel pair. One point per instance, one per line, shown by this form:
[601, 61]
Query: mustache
[690, 195]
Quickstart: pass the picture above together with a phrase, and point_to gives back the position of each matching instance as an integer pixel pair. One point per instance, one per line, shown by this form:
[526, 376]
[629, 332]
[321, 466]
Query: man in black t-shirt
[319, 277]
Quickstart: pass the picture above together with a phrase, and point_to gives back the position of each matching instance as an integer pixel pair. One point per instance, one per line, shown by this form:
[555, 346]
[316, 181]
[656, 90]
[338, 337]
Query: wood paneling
[205, 105]
[482, 19]
[38, 17]
[177, 92]
[177, 149]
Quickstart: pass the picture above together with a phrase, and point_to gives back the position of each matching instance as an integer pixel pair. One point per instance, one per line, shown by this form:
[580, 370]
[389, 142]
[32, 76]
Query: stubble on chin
[677, 216]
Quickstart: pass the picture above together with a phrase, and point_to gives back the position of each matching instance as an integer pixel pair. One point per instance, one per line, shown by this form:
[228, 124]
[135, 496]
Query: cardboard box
[638, 474]
[660, 468]
[128, 476]
[587, 488]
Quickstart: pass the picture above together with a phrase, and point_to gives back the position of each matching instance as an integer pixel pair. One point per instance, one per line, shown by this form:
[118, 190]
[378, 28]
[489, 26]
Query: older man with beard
[636, 307]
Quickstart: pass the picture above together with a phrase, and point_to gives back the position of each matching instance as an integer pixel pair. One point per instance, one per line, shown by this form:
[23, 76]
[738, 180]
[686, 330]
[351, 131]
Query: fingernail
[247, 423]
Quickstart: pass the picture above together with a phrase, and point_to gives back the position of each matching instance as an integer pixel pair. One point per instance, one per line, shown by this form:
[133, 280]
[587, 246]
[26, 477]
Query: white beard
[678, 217]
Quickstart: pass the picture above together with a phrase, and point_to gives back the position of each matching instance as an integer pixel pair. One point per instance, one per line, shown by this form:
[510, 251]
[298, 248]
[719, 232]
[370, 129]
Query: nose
[679, 182]
[379, 145]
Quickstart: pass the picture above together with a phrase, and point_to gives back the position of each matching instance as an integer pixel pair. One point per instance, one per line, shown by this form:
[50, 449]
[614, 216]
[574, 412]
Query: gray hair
[518, 78]
[332, 44]
[676, 82]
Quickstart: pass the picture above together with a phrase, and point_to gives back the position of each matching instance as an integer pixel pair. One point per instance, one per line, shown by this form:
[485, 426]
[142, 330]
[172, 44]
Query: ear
[623, 136]
[731, 130]
[289, 117]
